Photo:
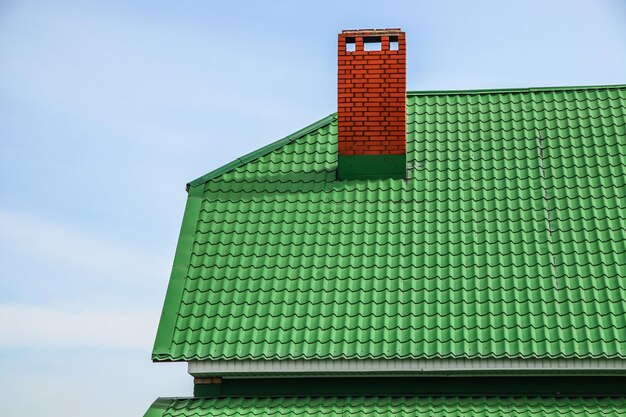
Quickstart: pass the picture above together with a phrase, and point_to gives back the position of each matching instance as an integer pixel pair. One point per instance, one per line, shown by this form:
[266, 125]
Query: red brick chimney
[372, 104]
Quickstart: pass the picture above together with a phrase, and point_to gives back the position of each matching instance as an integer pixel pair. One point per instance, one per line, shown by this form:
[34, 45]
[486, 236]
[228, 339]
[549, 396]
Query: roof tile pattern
[390, 406]
[506, 240]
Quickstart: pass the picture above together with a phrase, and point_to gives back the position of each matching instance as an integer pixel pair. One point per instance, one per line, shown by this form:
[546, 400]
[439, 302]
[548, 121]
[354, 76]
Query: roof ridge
[515, 90]
[262, 151]
[333, 116]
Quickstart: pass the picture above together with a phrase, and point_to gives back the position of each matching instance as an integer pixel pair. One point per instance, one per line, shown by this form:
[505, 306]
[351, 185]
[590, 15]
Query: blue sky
[108, 108]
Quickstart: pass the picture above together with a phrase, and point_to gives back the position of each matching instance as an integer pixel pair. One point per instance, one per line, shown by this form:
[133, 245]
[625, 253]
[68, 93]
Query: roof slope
[375, 406]
[506, 241]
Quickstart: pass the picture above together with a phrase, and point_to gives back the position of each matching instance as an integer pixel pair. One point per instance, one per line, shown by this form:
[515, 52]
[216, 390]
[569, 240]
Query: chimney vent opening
[372, 43]
[393, 43]
[350, 44]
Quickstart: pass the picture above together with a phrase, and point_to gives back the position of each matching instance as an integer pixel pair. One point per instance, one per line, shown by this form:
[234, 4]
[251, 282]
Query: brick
[371, 97]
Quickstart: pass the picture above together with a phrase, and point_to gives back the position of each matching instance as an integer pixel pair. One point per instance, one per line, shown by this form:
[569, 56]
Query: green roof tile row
[506, 240]
[388, 406]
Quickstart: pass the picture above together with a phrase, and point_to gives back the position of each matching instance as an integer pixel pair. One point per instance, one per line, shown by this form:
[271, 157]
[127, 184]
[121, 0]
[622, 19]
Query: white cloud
[51, 244]
[38, 326]
[78, 287]
[86, 382]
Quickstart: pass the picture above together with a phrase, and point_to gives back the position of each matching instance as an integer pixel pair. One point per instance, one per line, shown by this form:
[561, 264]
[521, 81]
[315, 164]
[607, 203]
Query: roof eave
[499, 366]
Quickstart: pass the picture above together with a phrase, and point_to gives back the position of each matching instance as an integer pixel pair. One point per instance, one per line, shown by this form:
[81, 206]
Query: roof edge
[195, 357]
[175, 285]
[158, 407]
[262, 151]
[515, 90]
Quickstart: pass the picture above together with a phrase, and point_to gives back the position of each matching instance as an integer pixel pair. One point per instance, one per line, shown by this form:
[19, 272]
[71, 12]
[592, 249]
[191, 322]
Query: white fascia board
[342, 367]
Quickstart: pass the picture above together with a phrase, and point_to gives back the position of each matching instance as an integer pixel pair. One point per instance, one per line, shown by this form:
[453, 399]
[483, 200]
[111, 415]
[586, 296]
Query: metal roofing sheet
[388, 406]
[507, 240]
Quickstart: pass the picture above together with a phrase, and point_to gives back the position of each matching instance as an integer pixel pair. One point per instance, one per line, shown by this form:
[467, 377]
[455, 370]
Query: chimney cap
[388, 31]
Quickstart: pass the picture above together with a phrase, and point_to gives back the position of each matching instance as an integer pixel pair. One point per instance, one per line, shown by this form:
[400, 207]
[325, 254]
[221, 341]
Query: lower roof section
[388, 406]
[246, 368]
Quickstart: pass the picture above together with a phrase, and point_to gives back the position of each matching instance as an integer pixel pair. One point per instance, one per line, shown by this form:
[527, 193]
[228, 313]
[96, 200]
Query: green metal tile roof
[388, 406]
[506, 241]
